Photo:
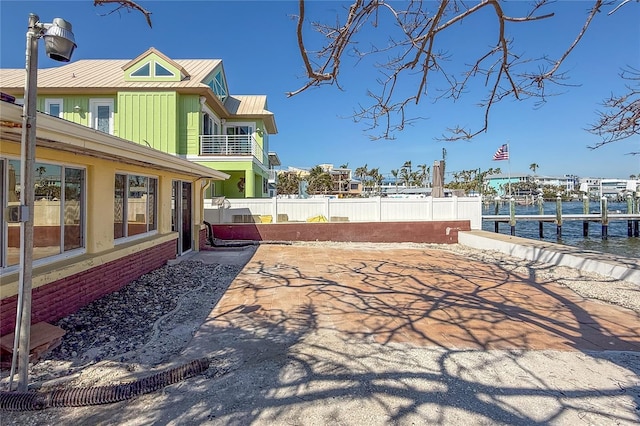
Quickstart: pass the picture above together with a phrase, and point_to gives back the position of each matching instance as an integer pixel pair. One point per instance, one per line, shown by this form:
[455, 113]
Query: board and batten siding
[148, 118]
[189, 124]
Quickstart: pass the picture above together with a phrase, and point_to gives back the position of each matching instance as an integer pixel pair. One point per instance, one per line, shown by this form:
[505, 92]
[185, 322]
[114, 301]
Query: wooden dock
[633, 221]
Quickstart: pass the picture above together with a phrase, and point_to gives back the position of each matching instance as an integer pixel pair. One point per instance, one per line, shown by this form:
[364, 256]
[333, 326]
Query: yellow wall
[99, 241]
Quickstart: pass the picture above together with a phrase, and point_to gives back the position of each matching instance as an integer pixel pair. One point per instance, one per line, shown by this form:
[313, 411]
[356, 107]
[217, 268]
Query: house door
[181, 212]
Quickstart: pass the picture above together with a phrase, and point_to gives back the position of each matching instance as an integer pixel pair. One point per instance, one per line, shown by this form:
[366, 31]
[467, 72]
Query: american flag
[502, 153]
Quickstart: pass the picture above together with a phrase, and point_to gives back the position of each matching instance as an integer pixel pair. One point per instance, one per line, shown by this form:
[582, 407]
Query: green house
[179, 106]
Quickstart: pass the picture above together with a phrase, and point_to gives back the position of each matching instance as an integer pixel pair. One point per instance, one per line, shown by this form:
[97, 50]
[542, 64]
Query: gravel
[143, 324]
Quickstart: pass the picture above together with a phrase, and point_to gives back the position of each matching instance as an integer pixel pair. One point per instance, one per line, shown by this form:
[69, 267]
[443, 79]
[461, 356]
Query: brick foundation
[63, 297]
[203, 239]
[441, 232]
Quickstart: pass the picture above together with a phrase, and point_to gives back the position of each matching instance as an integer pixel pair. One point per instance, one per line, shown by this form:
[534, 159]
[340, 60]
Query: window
[218, 86]
[239, 130]
[135, 205]
[143, 71]
[101, 115]
[207, 124]
[162, 71]
[53, 107]
[158, 70]
[59, 211]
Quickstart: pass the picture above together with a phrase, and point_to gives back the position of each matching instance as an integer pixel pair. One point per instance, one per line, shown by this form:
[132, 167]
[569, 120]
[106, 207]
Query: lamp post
[59, 44]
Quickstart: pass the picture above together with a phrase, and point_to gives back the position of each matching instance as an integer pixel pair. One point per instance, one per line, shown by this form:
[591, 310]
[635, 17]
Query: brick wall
[63, 297]
[438, 232]
[203, 239]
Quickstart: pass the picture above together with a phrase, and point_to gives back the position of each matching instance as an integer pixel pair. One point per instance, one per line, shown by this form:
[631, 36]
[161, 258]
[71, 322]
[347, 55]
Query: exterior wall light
[59, 44]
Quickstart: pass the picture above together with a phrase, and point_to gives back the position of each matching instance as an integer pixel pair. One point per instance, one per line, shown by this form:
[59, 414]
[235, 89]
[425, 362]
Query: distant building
[610, 188]
[343, 182]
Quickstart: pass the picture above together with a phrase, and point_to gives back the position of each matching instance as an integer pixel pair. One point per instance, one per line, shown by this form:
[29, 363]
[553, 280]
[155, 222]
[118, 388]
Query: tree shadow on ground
[373, 339]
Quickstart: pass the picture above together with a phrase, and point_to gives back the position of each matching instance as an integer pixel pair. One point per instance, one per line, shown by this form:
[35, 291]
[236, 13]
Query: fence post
[379, 209]
[454, 205]
[327, 209]
[274, 209]
[431, 199]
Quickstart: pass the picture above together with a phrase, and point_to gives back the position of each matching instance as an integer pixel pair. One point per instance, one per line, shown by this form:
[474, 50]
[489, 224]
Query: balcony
[232, 146]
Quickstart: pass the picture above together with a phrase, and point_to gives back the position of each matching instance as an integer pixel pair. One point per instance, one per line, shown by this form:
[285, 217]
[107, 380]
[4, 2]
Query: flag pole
[509, 166]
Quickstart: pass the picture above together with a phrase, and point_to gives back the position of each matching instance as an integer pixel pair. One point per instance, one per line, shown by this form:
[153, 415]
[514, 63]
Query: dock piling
[559, 216]
[585, 210]
[605, 217]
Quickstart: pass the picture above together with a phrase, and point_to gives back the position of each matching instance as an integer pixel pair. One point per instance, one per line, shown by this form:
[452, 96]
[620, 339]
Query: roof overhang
[274, 160]
[62, 135]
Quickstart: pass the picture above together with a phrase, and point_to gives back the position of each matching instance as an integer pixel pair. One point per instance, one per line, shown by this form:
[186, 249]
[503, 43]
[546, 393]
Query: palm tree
[361, 173]
[534, 167]
[375, 176]
[394, 173]
[319, 181]
[424, 174]
[405, 176]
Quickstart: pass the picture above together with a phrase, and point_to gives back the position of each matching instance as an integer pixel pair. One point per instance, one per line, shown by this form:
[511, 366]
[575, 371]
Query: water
[617, 243]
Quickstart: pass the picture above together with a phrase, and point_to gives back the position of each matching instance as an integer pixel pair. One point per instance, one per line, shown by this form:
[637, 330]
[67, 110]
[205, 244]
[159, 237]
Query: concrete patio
[425, 297]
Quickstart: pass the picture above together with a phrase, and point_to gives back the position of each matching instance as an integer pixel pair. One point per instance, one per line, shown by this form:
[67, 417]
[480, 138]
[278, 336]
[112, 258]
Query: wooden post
[559, 216]
[636, 228]
[541, 212]
[585, 210]
[605, 217]
[496, 224]
[629, 211]
[512, 215]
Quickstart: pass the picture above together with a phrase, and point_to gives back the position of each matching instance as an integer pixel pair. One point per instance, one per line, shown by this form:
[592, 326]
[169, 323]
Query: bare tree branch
[127, 5]
[417, 54]
[621, 120]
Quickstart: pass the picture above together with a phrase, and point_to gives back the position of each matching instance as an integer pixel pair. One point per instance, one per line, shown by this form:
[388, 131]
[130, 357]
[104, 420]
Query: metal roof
[89, 76]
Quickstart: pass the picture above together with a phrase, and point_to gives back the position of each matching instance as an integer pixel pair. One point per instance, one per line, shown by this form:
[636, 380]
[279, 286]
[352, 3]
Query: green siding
[238, 170]
[148, 118]
[68, 105]
[189, 124]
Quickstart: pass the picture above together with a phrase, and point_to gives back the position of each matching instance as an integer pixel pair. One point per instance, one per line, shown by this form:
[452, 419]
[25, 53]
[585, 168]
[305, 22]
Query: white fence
[374, 209]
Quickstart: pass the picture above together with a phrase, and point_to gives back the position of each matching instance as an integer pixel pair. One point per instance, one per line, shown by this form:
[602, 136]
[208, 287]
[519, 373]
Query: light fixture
[58, 40]
[59, 44]
[77, 108]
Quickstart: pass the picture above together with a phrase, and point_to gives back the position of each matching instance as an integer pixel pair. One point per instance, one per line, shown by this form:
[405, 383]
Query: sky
[256, 40]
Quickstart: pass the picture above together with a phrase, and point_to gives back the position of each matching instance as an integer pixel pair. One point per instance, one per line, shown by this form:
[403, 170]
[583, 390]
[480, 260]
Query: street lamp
[59, 45]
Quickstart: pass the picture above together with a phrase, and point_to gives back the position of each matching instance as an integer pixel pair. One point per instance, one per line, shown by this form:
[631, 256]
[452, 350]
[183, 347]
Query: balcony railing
[232, 145]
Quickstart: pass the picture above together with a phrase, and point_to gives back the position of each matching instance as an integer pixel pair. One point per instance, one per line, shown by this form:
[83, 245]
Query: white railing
[231, 145]
[374, 209]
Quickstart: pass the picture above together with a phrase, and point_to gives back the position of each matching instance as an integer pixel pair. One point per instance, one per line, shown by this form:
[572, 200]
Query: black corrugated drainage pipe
[79, 397]
[215, 242]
